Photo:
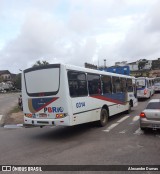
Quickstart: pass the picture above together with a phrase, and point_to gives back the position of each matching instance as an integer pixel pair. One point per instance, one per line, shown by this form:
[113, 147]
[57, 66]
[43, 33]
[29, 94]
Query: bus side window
[147, 82]
[94, 84]
[77, 84]
[73, 88]
[107, 85]
[116, 85]
[129, 85]
[123, 84]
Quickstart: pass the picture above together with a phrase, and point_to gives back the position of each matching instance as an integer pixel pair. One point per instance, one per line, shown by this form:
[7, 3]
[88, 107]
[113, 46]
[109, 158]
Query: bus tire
[149, 95]
[129, 109]
[103, 117]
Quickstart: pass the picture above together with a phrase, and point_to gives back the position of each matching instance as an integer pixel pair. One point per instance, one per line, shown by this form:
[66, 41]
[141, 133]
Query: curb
[2, 120]
[13, 126]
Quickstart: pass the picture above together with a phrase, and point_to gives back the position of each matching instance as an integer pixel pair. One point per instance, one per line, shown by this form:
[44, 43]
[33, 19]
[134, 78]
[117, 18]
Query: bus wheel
[149, 95]
[103, 117]
[129, 109]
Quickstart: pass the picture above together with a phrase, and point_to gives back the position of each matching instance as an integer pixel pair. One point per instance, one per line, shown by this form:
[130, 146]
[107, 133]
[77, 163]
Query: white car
[150, 116]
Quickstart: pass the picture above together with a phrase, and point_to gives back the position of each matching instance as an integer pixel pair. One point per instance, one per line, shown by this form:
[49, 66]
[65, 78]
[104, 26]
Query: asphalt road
[121, 142]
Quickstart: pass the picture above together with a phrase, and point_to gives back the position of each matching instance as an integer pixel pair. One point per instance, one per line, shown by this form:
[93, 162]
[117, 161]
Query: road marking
[123, 132]
[19, 125]
[122, 119]
[111, 127]
[15, 126]
[138, 132]
[115, 124]
[136, 118]
[1, 117]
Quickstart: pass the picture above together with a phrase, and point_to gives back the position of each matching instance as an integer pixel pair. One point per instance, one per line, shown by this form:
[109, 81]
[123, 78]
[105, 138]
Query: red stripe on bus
[107, 99]
[54, 99]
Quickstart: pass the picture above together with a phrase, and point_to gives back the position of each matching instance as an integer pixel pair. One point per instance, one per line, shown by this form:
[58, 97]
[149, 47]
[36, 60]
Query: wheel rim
[103, 117]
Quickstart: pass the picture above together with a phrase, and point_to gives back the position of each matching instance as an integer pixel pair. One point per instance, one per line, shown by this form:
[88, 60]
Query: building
[148, 65]
[5, 75]
[144, 64]
[117, 69]
[142, 67]
[154, 73]
[123, 63]
[156, 64]
[133, 66]
[91, 66]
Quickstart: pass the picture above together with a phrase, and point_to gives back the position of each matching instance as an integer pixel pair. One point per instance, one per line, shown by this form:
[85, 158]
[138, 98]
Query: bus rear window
[140, 83]
[42, 81]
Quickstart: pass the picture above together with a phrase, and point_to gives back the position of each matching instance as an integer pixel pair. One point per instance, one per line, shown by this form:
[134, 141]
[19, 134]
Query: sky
[77, 31]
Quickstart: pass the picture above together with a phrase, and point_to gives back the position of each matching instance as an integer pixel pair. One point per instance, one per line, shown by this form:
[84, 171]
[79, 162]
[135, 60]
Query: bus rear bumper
[46, 122]
[143, 96]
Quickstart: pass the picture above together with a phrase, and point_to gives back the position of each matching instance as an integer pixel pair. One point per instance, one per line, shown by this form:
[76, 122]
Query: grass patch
[15, 109]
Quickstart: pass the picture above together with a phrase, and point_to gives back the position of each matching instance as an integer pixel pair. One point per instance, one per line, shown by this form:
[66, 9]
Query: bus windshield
[44, 81]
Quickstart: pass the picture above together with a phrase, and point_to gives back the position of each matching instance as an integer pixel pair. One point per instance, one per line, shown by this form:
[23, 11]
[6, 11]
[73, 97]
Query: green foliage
[40, 63]
[1, 79]
[17, 81]
[15, 109]
[141, 65]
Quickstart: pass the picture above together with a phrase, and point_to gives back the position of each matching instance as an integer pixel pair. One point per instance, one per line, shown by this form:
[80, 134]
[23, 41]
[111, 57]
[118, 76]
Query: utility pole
[104, 63]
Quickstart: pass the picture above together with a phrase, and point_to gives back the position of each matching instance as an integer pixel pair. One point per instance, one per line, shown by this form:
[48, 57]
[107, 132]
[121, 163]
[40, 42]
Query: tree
[40, 63]
[1, 79]
[141, 65]
[17, 81]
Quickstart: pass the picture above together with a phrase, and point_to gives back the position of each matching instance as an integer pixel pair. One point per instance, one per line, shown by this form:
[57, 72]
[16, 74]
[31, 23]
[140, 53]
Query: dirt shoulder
[15, 116]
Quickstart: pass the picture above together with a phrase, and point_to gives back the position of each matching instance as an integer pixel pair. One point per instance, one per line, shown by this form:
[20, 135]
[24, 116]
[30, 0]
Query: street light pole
[104, 63]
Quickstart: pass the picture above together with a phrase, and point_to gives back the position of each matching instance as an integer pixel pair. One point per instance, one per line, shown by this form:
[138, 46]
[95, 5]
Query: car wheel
[103, 118]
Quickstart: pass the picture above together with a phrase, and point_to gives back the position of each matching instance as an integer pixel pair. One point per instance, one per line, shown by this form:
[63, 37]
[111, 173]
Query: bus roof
[94, 71]
[78, 68]
[144, 78]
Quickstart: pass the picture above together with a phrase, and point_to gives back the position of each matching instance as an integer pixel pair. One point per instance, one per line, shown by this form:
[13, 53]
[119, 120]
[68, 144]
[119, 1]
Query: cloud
[46, 38]
[79, 31]
[143, 39]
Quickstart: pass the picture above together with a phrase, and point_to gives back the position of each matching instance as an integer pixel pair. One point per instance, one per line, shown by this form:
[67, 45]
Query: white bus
[59, 94]
[145, 87]
[157, 84]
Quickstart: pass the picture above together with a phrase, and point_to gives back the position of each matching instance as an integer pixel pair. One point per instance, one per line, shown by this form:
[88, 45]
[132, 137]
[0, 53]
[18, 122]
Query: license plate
[42, 115]
[156, 126]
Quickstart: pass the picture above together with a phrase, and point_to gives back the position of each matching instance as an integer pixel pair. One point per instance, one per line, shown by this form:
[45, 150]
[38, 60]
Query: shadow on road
[143, 99]
[152, 132]
[64, 133]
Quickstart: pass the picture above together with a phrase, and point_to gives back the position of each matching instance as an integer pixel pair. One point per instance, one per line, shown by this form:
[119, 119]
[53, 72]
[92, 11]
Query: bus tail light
[145, 91]
[28, 115]
[59, 115]
[142, 114]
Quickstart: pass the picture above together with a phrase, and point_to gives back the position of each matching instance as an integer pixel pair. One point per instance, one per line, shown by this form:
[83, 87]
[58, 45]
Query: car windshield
[153, 105]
